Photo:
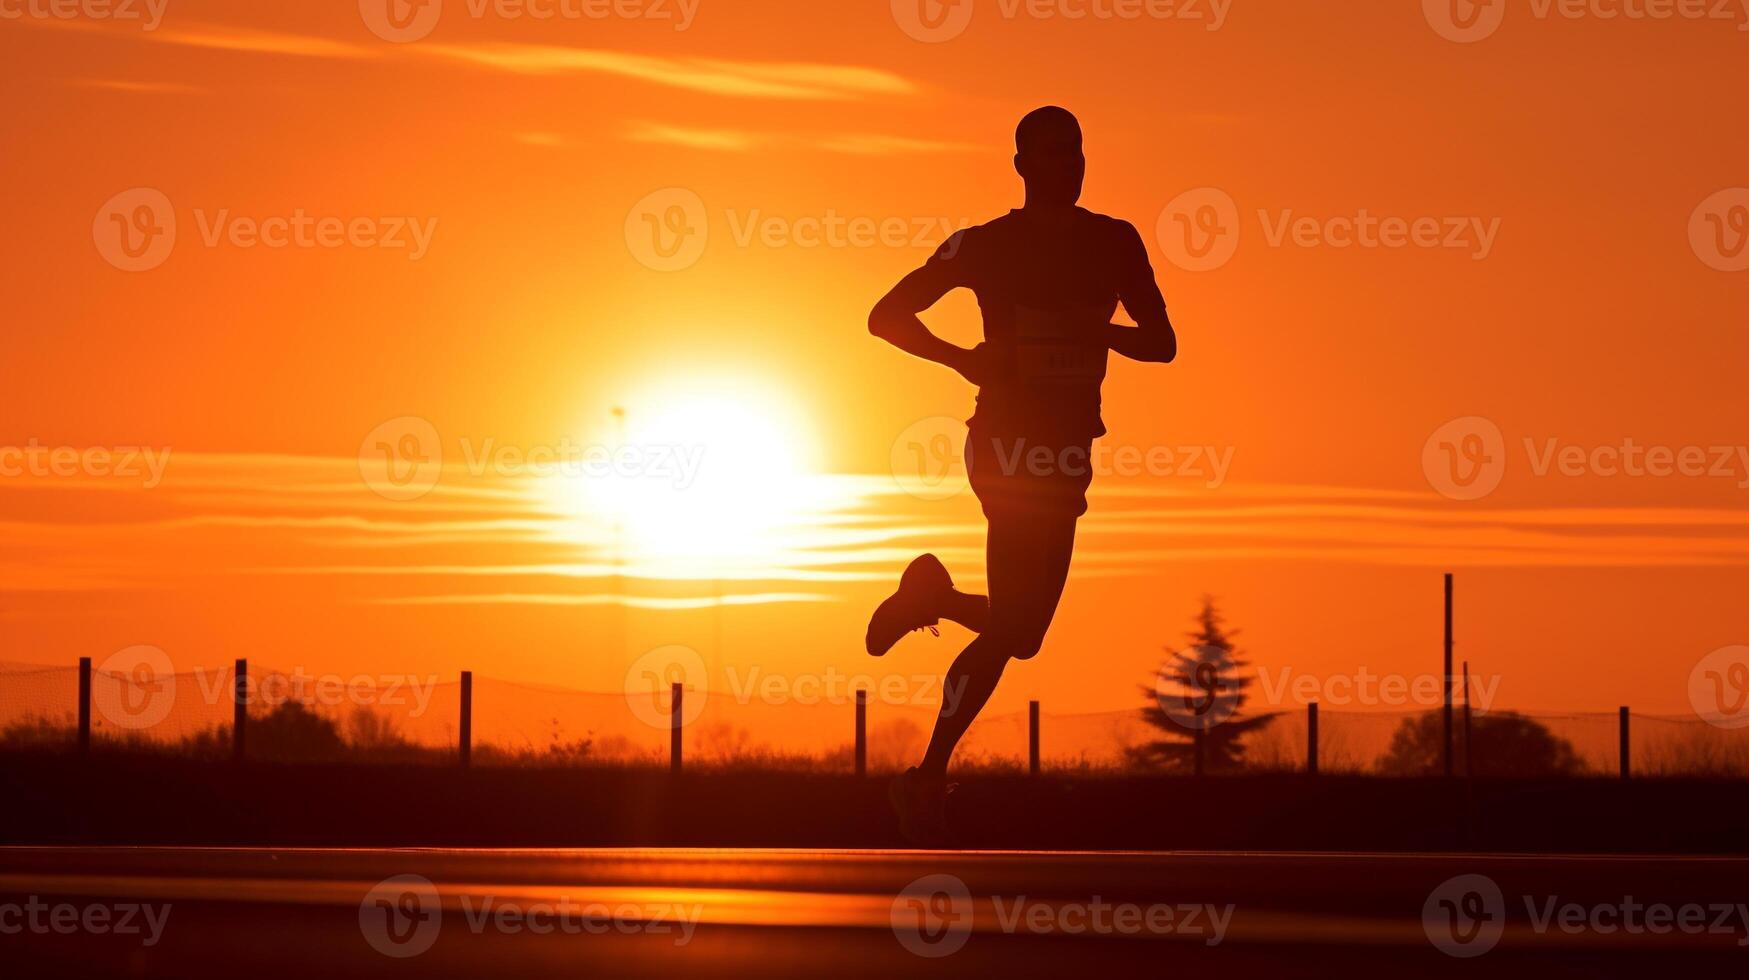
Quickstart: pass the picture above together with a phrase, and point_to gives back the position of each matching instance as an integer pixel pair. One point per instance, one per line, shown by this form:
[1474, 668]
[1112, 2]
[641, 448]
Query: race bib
[1060, 346]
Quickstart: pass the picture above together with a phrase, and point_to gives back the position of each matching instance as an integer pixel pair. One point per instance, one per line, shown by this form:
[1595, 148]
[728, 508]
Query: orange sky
[524, 147]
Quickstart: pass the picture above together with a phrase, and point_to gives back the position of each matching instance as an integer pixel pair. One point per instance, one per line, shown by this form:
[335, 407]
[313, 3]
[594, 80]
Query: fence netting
[293, 717]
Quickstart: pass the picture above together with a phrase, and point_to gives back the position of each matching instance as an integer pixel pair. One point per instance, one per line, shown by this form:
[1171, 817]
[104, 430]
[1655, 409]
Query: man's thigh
[1028, 561]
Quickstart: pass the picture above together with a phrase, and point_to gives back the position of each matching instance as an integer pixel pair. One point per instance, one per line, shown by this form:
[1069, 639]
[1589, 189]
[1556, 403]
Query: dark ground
[149, 800]
[270, 913]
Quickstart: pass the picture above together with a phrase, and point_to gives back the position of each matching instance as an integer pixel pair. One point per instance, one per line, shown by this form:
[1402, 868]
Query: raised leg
[1028, 561]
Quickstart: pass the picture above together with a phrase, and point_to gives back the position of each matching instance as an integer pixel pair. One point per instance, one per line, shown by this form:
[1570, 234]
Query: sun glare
[703, 474]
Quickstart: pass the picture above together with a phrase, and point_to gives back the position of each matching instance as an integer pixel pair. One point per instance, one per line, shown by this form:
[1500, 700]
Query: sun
[704, 473]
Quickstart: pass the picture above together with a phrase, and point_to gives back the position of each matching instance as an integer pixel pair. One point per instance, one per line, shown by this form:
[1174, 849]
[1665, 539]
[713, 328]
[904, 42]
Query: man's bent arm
[894, 320]
[1152, 339]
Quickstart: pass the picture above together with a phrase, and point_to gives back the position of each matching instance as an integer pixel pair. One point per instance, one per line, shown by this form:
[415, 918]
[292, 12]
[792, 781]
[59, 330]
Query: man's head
[1047, 155]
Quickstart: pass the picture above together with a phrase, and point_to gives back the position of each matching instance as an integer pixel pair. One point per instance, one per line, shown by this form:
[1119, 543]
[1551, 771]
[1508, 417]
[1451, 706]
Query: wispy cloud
[499, 540]
[717, 76]
[243, 39]
[742, 140]
[702, 139]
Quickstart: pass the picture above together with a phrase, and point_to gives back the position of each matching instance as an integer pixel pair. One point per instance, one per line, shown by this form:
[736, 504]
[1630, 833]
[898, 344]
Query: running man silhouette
[1048, 278]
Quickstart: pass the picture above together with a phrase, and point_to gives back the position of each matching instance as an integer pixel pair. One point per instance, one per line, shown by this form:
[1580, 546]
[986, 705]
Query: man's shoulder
[967, 236]
[1106, 224]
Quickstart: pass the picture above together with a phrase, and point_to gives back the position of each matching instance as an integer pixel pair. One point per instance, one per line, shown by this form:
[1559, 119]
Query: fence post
[467, 731]
[1032, 736]
[1624, 742]
[674, 729]
[861, 733]
[240, 710]
[84, 705]
[1469, 756]
[1447, 710]
[1312, 739]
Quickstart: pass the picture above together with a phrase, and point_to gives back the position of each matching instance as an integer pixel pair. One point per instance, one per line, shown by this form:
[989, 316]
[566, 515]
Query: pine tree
[1196, 699]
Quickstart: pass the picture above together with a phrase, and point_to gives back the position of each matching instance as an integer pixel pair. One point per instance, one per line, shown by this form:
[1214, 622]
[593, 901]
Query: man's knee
[1021, 642]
